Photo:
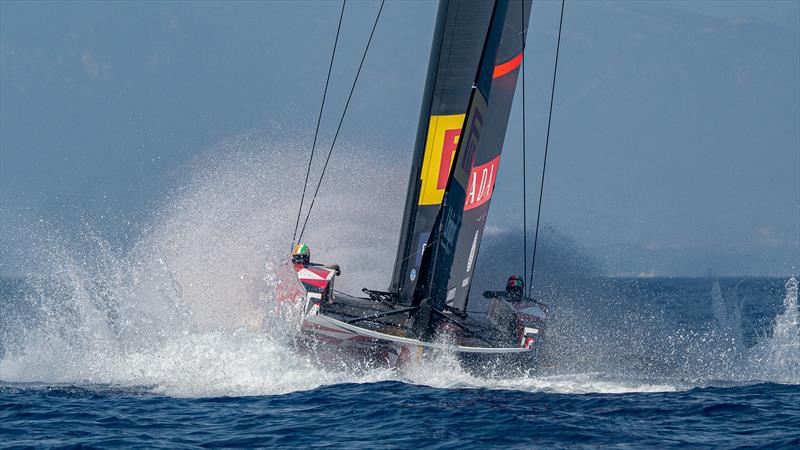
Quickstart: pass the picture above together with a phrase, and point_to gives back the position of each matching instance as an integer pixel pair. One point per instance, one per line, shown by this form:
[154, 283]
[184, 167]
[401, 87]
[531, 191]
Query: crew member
[515, 286]
[302, 255]
[515, 289]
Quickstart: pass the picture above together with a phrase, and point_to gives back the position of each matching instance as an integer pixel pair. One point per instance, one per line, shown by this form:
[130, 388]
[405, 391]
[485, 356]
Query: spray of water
[777, 356]
[717, 351]
[187, 310]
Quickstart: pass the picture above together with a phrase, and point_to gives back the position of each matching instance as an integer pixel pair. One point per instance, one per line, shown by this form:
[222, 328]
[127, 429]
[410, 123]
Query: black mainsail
[478, 161]
[444, 220]
[455, 53]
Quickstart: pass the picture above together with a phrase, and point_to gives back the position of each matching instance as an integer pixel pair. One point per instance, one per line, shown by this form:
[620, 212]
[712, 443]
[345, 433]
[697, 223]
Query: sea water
[247, 387]
[173, 342]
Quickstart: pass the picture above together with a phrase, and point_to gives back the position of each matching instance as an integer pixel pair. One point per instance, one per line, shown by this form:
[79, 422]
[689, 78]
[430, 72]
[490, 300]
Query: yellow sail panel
[440, 147]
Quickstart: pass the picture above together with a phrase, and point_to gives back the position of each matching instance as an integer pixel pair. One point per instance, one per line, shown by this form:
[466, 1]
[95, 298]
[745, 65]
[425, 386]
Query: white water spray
[728, 319]
[777, 356]
[718, 351]
[186, 311]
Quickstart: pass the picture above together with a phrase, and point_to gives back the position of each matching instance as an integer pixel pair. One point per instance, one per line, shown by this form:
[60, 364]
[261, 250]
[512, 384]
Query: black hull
[334, 335]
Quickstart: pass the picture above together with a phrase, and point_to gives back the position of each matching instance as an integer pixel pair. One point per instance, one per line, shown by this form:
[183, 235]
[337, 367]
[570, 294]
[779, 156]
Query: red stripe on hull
[322, 284]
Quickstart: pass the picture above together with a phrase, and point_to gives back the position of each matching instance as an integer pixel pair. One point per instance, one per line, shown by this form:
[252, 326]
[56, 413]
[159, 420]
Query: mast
[458, 41]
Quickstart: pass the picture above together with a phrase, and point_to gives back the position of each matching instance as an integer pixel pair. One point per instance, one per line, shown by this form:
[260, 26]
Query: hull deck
[375, 330]
[340, 331]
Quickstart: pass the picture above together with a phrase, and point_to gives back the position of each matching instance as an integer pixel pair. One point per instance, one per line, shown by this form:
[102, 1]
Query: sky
[674, 146]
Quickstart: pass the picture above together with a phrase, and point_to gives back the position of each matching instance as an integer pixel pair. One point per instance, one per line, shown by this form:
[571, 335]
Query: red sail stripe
[508, 66]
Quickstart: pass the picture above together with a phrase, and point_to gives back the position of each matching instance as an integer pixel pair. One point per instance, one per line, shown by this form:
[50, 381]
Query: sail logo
[471, 146]
[471, 256]
[440, 149]
[451, 227]
[481, 184]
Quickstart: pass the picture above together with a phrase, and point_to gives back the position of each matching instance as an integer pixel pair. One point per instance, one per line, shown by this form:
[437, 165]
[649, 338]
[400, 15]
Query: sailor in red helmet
[515, 290]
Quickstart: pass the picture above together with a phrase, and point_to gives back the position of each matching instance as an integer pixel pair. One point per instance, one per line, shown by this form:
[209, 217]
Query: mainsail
[443, 227]
[476, 169]
[455, 53]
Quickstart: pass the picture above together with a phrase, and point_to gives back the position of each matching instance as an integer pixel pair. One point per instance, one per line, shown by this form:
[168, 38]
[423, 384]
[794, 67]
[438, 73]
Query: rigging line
[341, 119]
[546, 145]
[319, 119]
[524, 163]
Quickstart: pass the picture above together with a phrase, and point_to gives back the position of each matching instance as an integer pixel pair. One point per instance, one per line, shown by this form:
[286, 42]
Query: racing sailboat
[473, 69]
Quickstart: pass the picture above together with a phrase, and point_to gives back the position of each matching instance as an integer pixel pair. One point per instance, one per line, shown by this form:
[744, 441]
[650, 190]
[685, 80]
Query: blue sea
[629, 362]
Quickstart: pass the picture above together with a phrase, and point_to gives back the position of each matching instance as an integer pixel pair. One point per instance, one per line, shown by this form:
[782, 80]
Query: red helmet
[515, 284]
